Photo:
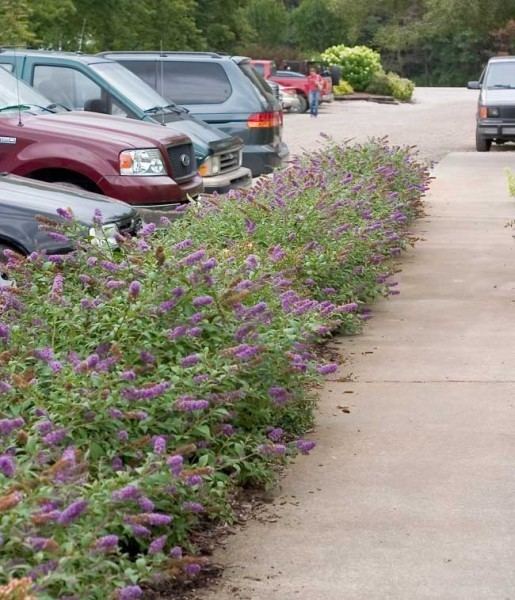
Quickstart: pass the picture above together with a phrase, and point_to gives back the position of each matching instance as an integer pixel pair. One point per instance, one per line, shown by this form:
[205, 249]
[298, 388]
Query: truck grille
[229, 161]
[507, 112]
[182, 159]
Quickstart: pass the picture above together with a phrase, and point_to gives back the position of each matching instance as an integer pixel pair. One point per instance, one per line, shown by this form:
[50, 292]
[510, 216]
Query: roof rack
[166, 52]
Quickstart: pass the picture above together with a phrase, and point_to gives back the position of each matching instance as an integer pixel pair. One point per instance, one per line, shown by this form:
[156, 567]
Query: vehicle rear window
[501, 75]
[195, 82]
[144, 69]
[257, 80]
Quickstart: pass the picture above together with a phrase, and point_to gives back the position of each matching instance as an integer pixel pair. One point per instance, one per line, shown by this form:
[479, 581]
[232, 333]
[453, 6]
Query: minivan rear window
[257, 80]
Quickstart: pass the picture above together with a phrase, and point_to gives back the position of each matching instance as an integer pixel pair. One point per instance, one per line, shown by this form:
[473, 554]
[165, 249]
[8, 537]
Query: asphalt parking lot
[438, 121]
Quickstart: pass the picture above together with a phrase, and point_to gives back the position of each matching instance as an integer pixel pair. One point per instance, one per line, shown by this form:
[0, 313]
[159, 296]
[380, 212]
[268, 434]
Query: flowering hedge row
[139, 386]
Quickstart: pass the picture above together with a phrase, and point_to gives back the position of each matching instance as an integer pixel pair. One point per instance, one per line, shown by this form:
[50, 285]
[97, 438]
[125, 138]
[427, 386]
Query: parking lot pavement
[440, 120]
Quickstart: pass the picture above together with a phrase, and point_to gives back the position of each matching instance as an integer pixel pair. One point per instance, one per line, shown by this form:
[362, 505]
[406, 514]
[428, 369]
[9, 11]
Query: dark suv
[496, 105]
[222, 90]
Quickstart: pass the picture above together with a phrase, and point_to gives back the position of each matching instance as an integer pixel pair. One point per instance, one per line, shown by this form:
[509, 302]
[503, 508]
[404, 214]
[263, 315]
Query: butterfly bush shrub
[140, 386]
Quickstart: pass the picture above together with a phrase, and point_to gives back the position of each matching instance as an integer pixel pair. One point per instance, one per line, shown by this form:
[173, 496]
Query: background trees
[432, 41]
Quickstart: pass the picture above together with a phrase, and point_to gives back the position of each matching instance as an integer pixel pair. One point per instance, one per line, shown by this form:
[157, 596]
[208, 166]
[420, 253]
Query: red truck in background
[145, 165]
[293, 80]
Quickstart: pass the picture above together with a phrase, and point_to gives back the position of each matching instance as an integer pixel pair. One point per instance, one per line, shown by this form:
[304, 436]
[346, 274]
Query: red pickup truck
[143, 164]
[293, 80]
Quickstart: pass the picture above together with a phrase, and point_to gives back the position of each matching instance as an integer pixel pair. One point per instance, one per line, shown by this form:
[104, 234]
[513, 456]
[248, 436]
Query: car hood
[206, 138]
[45, 198]
[498, 97]
[119, 131]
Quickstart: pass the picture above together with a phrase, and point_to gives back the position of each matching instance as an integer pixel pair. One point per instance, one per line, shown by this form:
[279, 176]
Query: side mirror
[473, 85]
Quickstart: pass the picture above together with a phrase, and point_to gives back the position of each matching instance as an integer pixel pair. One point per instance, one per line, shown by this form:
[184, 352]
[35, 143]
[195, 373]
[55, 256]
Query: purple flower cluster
[148, 392]
[245, 352]
[130, 592]
[190, 361]
[190, 404]
[7, 426]
[7, 465]
[72, 512]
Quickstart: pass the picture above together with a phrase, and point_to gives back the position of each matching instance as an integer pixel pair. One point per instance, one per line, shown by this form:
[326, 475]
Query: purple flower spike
[146, 504]
[4, 332]
[176, 552]
[134, 289]
[192, 569]
[129, 492]
[279, 395]
[55, 437]
[193, 507]
[97, 217]
[202, 301]
[157, 545]
[250, 226]
[7, 466]
[147, 230]
[159, 445]
[156, 519]
[72, 512]
[252, 262]
[107, 543]
[7, 426]
[175, 463]
[305, 446]
[193, 258]
[177, 332]
[141, 531]
[276, 254]
[65, 213]
[191, 405]
[327, 369]
[130, 592]
[190, 361]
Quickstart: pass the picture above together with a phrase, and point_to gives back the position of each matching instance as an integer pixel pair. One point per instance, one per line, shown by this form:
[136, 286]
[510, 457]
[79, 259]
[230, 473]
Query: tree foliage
[433, 41]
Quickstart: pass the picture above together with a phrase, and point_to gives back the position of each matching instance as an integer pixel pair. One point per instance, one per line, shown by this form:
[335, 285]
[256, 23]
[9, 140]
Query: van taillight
[265, 119]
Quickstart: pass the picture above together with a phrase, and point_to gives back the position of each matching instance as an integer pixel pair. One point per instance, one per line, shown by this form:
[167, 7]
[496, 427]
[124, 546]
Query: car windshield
[501, 75]
[130, 86]
[19, 94]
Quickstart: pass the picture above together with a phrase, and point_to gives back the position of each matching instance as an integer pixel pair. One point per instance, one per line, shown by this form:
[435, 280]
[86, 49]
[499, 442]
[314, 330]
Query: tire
[303, 103]
[483, 144]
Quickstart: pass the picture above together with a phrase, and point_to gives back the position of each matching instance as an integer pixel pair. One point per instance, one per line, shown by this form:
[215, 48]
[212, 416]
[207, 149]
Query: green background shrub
[358, 63]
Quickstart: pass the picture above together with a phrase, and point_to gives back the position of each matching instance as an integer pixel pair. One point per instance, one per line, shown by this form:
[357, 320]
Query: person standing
[315, 87]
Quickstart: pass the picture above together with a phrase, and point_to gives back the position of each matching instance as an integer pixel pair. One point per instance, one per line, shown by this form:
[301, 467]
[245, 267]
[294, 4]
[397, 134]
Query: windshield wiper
[25, 107]
[169, 107]
[55, 105]
[502, 86]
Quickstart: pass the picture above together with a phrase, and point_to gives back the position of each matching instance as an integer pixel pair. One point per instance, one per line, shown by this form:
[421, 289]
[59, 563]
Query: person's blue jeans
[314, 101]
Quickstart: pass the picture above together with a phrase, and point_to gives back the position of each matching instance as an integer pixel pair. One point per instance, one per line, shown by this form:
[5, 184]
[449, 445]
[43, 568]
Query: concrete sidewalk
[411, 496]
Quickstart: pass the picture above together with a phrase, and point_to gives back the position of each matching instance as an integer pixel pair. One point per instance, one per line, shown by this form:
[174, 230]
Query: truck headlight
[210, 167]
[493, 111]
[146, 162]
[104, 235]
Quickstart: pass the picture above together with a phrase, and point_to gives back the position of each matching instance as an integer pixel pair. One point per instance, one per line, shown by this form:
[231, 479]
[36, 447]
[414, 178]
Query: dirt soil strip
[411, 494]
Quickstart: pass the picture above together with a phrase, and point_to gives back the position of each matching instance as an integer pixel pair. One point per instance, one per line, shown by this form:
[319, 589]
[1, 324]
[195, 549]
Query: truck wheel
[303, 103]
[483, 144]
